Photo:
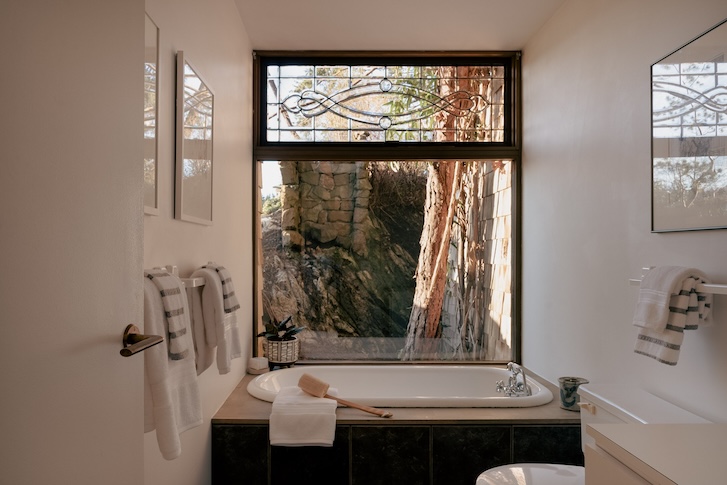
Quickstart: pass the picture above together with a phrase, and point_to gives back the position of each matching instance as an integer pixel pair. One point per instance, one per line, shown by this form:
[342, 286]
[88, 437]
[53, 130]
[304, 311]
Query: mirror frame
[151, 112]
[689, 135]
[192, 203]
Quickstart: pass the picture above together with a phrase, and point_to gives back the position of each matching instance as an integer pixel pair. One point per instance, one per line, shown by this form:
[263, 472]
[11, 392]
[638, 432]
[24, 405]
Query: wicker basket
[281, 351]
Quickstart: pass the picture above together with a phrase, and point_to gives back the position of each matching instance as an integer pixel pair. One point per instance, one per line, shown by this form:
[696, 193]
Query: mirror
[195, 109]
[151, 84]
[689, 136]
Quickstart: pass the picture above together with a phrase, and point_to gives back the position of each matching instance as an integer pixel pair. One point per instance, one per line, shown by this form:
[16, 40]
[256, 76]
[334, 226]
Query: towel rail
[188, 282]
[715, 289]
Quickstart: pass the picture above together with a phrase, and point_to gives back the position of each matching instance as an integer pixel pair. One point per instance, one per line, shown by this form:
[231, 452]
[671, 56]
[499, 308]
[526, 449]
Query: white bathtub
[419, 386]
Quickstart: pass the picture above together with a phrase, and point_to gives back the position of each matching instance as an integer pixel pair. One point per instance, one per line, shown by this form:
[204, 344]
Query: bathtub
[418, 386]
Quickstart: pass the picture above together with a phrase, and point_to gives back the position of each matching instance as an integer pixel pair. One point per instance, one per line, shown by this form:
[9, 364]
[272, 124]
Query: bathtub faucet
[515, 387]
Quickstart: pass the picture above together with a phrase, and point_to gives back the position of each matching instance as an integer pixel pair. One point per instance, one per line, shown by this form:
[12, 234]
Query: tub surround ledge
[242, 408]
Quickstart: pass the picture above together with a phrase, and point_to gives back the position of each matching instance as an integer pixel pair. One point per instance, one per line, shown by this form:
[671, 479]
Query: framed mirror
[193, 167]
[151, 85]
[689, 135]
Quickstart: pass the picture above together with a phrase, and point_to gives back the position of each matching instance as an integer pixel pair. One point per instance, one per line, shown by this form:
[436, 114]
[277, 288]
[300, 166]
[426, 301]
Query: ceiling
[429, 25]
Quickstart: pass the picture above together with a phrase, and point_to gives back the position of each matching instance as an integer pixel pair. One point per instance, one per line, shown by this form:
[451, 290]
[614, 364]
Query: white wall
[586, 200]
[213, 38]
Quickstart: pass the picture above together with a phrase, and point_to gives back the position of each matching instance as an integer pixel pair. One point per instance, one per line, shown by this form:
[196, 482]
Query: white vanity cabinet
[663, 454]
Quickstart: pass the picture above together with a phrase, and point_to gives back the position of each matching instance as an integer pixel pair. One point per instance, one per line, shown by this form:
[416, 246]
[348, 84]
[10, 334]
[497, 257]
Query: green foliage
[285, 330]
[271, 204]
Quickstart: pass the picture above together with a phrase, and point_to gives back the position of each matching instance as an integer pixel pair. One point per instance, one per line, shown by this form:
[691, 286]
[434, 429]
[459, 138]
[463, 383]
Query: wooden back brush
[318, 388]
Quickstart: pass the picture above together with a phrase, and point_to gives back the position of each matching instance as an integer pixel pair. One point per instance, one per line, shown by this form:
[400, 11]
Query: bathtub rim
[542, 397]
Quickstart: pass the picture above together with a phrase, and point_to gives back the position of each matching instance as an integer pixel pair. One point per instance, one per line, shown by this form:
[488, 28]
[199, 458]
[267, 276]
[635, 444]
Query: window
[387, 204]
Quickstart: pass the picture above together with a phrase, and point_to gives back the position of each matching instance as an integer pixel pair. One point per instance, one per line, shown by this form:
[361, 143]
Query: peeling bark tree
[431, 271]
[445, 188]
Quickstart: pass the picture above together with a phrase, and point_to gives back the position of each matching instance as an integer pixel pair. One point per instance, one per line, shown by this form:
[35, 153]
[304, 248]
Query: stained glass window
[331, 102]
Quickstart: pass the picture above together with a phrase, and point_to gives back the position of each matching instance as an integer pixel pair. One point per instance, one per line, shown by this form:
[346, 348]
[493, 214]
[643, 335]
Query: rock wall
[325, 203]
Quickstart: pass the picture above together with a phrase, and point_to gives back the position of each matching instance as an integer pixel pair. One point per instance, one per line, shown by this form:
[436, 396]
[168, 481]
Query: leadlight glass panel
[379, 103]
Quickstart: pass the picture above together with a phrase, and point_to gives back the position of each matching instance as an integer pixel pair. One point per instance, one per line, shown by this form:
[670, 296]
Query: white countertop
[684, 454]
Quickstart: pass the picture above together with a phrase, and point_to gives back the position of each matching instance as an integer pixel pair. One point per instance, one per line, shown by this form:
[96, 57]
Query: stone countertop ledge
[241, 408]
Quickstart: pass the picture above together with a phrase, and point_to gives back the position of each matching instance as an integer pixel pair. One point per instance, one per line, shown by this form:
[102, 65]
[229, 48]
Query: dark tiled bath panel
[434, 454]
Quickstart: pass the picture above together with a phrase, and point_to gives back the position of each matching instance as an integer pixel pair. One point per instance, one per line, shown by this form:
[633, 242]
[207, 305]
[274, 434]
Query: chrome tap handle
[500, 386]
[518, 388]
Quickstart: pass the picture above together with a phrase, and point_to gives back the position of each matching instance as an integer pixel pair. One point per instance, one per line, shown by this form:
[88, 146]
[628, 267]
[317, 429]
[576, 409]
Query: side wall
[586, 201]
[213, 38]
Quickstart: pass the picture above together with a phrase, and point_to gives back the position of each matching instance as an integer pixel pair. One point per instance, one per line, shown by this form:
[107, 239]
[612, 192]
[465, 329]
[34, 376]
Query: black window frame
[509, 149]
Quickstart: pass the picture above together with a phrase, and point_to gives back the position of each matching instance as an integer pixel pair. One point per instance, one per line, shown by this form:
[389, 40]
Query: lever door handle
[134, 342]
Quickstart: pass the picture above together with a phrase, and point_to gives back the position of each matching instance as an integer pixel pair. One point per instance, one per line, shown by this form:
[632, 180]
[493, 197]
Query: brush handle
[368, 409]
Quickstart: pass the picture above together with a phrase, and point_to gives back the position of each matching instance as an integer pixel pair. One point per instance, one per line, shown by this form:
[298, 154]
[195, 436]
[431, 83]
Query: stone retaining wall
[325, 203]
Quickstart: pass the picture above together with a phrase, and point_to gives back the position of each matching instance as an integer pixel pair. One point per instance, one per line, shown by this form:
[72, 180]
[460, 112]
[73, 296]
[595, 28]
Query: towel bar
[135, 342]
[701, 287]
[193, 282]
[188, 282]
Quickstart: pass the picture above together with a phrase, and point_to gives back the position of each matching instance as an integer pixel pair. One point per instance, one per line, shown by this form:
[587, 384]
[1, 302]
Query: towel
[229, 300]
[669, 304]
[299, 419]
[219, 317]
[204, 353]
[171, 291]
[172, 402]
[657, 287]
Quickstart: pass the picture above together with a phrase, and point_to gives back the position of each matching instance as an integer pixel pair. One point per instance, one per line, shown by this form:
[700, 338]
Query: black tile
[312, 464]
[461, 453]
[390, 455]
[548, 444]
[239, 455]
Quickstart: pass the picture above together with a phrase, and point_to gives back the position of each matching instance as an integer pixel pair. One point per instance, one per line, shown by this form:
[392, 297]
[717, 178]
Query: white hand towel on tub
[219, 309]
[172, 403]
[299, 419]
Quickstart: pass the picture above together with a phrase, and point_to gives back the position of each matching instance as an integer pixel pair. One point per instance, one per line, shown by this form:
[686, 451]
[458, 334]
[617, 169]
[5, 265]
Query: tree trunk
[445, 192]
[431, 273]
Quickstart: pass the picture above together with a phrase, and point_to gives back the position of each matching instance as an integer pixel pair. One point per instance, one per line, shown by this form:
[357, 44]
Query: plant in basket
[281, 344]
[285, 330]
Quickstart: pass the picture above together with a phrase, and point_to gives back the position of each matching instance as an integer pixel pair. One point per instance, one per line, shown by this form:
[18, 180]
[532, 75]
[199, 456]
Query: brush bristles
[311, 385]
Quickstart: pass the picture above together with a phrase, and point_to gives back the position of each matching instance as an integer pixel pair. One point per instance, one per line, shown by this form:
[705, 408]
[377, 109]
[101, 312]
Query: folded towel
[172, 402]
[171, 290]
[657, 287]
[684, 309]
[219, 314]
[299, 419]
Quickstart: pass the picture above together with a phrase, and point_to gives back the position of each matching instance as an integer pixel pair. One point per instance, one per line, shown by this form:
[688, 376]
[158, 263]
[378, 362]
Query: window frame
[509, 149]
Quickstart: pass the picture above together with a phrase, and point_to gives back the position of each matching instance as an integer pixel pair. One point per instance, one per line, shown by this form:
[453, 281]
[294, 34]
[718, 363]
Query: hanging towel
[669, 304]
[204, 353]
[299, 419]
[172, 295]
[219, 306]
[172, 402]
[229, 300]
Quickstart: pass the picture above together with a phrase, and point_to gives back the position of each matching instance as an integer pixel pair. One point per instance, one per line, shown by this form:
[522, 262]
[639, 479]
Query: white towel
[171, 291]
[229, 300]
[220, 323]
[172, 402]
[204, 353]
[663, 319]
[299, 419]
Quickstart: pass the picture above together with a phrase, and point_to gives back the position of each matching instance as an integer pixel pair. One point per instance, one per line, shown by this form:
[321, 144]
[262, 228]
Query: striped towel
[687, 309]
[229, 300]
[172, 292]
